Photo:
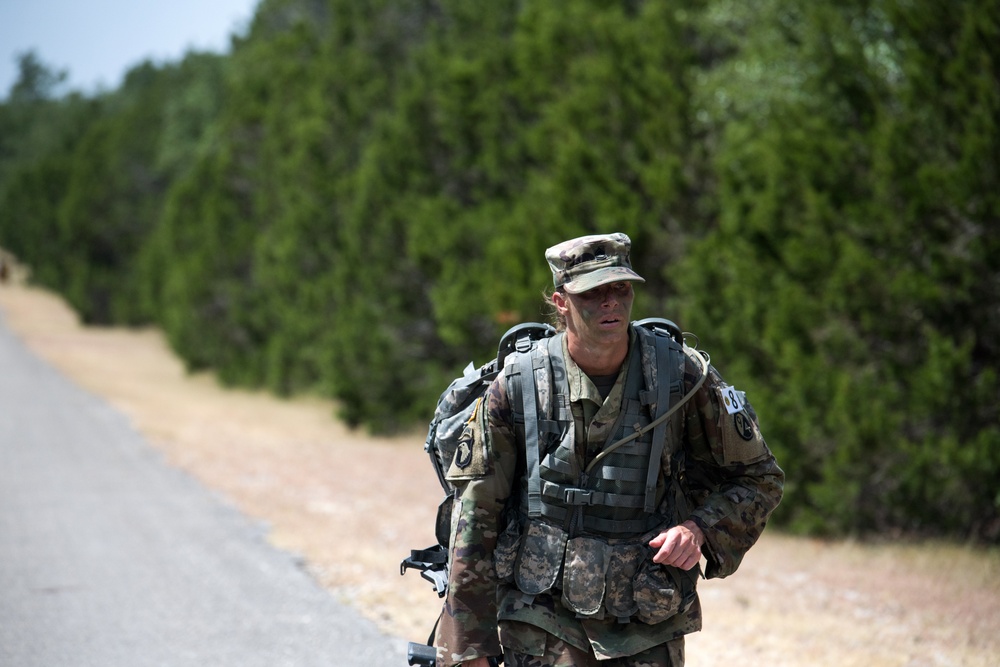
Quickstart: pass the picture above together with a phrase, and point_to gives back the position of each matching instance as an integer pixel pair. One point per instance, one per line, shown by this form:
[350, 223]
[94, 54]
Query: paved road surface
[110, 558]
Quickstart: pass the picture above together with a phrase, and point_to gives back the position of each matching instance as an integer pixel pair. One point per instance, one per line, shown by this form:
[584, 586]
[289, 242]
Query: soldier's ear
[561, 302]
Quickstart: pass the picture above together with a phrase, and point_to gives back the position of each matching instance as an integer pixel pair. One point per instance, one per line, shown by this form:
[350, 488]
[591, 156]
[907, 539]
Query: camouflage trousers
[560, 654]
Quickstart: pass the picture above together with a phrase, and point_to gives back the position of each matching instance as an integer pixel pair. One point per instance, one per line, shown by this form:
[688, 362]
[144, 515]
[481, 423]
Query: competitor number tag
[734, 399]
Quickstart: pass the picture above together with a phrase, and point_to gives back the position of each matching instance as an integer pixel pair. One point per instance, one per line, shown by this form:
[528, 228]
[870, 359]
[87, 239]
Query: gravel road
[111, 558]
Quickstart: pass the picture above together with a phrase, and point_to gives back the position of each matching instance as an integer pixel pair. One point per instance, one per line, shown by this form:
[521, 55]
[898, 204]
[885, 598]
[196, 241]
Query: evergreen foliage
[357, 199]
[846, 263]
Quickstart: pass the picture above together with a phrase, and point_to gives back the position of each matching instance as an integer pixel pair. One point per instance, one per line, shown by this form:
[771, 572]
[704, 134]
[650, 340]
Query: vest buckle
[579, 497]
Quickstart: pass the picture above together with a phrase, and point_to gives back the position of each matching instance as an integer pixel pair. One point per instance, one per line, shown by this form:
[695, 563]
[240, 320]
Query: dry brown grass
[352, 506]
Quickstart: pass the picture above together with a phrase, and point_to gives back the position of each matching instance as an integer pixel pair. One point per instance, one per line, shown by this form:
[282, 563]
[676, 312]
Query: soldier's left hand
[679, 546]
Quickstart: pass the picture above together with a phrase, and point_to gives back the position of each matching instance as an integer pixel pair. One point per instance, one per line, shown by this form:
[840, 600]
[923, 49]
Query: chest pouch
[619, 601]
[540, 559]
[620, 580]
[662, 592]
[505, 553]
[585, 573]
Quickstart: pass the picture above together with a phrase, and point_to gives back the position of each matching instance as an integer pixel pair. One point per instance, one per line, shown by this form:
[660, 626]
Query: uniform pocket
[584, 575]
[540, 559]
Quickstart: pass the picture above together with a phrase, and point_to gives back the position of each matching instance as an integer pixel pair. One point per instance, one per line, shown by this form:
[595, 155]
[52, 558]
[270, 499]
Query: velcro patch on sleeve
[471, 461]
[742, 442]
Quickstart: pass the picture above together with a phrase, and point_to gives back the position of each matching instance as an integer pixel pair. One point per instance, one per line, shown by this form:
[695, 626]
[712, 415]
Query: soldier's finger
[690, 561]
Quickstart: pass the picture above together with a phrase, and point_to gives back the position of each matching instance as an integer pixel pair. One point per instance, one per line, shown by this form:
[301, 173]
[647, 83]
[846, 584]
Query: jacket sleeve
[468, 625]
[733, 480]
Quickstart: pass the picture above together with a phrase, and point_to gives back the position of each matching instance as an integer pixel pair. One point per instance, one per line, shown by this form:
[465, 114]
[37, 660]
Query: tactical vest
[619, 496]
[591, 525]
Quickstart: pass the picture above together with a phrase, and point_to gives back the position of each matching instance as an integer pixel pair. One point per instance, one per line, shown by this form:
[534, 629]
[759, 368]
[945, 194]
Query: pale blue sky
[97, 41]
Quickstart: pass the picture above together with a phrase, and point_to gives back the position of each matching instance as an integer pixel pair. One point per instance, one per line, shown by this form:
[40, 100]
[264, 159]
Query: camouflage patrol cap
[587, 262]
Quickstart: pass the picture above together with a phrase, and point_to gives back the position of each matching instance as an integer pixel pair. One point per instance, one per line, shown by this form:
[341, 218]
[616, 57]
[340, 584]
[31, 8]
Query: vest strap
[579, 496]
[666, 369]
[530, 399]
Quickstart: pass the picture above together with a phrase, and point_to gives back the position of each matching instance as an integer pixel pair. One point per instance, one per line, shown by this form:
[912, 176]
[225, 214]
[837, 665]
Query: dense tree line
[355, 202]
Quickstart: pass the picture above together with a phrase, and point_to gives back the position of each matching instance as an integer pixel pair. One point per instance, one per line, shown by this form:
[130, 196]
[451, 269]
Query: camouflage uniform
[730, 483]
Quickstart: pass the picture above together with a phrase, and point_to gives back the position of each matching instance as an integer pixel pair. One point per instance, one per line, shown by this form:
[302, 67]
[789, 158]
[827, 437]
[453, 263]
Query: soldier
[574, 540]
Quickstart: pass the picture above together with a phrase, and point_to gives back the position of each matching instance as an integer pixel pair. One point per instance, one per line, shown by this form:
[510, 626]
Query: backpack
[454, 409]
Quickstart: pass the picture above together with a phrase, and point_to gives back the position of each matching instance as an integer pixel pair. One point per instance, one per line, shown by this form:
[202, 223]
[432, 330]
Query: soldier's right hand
[680, 546]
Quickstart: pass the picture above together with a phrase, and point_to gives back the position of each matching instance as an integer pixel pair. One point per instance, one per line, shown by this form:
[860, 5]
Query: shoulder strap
[667, 360]
[526, 372]
[529, 393]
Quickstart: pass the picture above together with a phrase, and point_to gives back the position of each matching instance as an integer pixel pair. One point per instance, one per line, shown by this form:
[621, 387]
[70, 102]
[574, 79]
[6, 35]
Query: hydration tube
[703, 358]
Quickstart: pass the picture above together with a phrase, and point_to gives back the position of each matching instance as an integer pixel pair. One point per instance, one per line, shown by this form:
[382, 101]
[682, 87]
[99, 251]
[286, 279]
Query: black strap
[435, 555]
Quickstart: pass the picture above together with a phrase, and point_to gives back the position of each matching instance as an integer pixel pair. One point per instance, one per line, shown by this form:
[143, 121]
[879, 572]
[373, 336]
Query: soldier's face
[600, 314]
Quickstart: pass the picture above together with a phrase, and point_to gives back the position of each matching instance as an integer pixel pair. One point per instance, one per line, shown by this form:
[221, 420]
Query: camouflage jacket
[731, 481]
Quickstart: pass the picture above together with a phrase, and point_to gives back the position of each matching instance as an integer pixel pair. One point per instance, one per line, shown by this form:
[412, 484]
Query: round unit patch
[743, 425]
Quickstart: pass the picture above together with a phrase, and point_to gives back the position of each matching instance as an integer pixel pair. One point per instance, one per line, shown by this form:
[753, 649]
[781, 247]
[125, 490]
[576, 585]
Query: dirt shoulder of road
[351, 507]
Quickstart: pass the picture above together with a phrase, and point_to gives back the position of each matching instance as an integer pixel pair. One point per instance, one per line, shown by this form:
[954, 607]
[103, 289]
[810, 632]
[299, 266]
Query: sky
[97, 41]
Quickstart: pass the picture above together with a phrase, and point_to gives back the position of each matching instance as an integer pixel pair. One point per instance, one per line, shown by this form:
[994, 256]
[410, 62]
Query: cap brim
[611, 274]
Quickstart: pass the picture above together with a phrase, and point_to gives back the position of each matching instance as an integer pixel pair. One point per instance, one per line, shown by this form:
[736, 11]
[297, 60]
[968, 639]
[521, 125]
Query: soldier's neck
[598, 358]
